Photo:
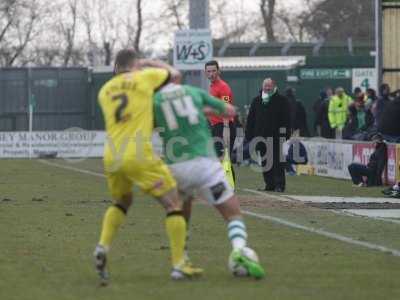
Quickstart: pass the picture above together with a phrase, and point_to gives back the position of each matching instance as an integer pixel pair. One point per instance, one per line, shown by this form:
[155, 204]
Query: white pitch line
[83, 171]
[284, 198]
[324, 233]
[280, 221]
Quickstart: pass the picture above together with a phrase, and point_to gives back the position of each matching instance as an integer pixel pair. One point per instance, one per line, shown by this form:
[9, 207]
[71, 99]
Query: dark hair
[124, 58]
[212, 63]
[384, 86]
[357, 90]
[290, 92]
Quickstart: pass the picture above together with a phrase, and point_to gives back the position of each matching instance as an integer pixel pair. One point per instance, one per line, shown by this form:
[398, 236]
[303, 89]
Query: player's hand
[208, 111]
[176, 76]
[230, 111]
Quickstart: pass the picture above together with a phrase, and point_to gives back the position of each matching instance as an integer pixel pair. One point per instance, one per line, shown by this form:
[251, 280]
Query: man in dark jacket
[375, 167]
[298, 115]
[320, 108]
[269, 118]
[383, 100]
[389, 123]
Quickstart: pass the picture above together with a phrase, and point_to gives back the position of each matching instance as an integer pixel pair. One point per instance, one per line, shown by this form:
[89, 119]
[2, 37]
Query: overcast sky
[241, 8]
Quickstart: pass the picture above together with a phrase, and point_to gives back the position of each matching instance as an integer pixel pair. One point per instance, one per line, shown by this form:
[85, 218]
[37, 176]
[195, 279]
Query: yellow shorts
[152, 176]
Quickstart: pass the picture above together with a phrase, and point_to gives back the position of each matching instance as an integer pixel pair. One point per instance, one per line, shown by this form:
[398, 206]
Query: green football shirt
[178, 111]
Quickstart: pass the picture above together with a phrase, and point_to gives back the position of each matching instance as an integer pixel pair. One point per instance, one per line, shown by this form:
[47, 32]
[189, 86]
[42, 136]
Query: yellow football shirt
[127, 104]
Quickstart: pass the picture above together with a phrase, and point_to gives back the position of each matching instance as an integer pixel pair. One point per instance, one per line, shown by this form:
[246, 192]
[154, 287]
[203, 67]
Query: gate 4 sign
[364, 78]
[192, 49]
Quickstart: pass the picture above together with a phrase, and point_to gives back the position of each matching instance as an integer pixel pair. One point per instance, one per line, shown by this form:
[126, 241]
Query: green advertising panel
[325, 73]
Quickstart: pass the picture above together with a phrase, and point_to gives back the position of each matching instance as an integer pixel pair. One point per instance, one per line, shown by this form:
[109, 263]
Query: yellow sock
[113, 218]
[176, 231]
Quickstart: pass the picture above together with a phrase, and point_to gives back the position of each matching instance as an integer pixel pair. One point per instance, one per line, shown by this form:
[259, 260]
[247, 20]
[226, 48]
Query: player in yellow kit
[127, 104]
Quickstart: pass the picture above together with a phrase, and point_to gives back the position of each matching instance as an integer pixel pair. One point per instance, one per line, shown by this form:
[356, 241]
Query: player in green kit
[189, 152]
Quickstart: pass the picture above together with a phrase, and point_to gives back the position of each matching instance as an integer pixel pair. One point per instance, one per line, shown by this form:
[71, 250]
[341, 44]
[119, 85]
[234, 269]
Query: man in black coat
[298, 115]
[375, 167]
[381, 103]
[389, 123]
[269, 119]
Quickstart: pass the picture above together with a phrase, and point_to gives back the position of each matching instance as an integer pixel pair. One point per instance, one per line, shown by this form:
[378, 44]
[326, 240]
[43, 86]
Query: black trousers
[273, 167]
[217, 130]
[357, 171]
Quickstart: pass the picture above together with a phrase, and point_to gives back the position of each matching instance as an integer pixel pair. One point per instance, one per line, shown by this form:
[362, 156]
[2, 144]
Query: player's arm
[213, 105]
[174, 74]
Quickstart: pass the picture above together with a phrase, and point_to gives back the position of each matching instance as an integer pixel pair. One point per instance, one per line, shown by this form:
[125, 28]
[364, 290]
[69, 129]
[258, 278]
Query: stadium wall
[60, 97]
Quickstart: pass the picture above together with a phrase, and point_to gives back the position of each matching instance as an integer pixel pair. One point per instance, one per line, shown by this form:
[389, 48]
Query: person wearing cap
[371, 174]
[360, 120]
[338, 110]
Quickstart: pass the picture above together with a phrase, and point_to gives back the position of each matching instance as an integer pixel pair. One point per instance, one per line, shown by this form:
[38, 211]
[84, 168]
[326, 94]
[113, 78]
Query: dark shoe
[100, 261]
[279, 190]
[266, 189]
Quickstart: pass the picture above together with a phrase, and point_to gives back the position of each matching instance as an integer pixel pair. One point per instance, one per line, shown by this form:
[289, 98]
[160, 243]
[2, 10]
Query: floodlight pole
[30, 109]
[198, 19]
[378, 42]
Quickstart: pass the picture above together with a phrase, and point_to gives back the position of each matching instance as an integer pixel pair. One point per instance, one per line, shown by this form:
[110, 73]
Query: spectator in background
[317, 112]
[360, 120]
[329, 92]
[389, 122]
[338, 111]
[357, 91]
[296, 155]
[289, 93]
[374, 169]
[371, 98]
[269, 118]
[298, 115]
[320, 108]
[383, 100]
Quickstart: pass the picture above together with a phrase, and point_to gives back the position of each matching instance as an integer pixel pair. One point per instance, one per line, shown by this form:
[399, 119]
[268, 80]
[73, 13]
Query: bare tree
[134, 32]
[108, 28]
[18, 19]
[340, 19]
[44, 56]
[293, 23]
[268, 15]
[7, 12]
[68, 30]
[174, 11]
[237, 26]
[139, 25]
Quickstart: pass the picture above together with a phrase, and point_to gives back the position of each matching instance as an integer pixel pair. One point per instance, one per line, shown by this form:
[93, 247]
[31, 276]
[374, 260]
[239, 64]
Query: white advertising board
[330, 159]
[64, 143]
[192, 49]
[71, 143]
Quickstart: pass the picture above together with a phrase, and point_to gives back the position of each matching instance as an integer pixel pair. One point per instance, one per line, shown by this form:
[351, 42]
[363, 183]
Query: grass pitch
[50, 220]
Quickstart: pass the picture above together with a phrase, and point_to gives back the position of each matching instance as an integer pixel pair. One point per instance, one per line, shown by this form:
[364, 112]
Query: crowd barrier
[328, 158]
